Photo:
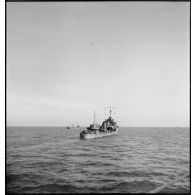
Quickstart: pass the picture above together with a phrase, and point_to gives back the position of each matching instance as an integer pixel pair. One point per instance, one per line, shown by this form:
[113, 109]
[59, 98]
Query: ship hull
[97, 135]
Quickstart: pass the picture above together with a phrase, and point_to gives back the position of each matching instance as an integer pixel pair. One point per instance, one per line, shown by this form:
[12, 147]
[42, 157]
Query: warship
[108, 127]
[73, 127]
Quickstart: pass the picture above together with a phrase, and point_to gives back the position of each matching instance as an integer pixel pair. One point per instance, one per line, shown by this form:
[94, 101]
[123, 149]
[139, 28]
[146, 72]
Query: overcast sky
[66, 60]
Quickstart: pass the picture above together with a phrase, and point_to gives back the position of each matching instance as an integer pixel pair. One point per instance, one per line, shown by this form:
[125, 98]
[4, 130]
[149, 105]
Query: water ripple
[55, 160]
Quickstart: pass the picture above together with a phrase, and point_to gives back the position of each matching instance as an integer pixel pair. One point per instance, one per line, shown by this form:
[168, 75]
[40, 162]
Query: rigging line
[158, 189]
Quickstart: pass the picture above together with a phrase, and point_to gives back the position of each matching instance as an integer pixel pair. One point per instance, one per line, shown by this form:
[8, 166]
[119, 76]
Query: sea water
[54, 159]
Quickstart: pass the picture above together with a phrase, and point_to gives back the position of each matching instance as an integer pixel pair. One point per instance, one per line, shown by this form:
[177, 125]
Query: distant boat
[69, 126]
[78, 125]
[72, 126]
[108, 127]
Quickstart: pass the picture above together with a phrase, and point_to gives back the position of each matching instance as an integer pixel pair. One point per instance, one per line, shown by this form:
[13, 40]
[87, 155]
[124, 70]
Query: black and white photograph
[98, 97]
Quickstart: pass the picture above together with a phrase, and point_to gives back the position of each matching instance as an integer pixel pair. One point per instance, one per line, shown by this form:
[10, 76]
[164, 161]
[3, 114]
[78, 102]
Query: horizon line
[87, 125]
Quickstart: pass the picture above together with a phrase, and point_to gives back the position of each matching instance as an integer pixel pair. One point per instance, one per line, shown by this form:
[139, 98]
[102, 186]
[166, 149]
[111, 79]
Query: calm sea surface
[54, 159]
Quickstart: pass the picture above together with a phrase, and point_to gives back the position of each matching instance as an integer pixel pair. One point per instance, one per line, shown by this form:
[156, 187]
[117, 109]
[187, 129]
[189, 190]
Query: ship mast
[94, 120]
[110, 109]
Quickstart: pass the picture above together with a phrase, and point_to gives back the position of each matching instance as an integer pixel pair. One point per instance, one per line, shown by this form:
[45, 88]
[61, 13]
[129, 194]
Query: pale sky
[66, 60]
